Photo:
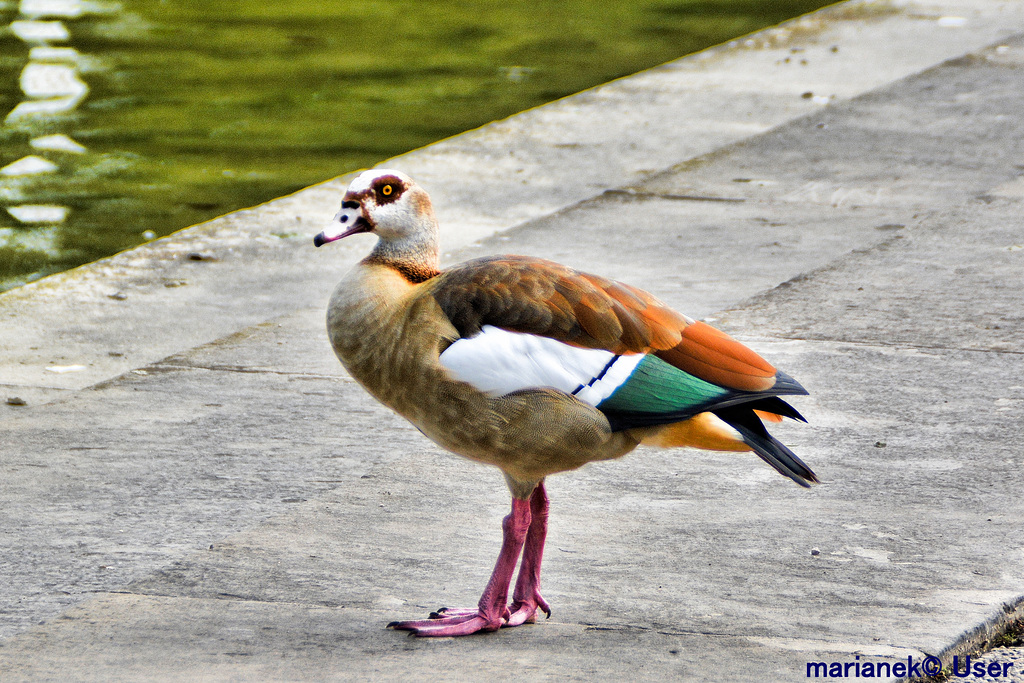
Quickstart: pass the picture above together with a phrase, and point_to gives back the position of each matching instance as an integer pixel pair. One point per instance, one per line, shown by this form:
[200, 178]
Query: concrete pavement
[220, 501]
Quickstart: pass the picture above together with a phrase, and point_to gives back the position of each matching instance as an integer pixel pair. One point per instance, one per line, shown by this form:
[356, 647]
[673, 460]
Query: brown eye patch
[387, 189]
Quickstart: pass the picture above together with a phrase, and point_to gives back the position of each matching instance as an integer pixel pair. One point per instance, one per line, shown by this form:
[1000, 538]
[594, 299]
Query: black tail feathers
[770, 449]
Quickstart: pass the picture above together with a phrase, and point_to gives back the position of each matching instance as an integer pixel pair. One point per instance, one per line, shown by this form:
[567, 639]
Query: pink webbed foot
[463, 623]
[444, 612]
[525, 611]
[448, 621]
[526, 525]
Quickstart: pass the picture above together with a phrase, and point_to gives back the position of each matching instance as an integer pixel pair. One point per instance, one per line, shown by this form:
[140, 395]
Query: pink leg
[492, 611]
[527, 598]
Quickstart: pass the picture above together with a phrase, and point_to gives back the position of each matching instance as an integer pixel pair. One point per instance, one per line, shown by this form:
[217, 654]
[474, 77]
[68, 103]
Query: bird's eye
[386, 190]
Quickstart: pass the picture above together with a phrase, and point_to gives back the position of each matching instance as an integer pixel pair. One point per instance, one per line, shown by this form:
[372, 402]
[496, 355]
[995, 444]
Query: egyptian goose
[535, 368]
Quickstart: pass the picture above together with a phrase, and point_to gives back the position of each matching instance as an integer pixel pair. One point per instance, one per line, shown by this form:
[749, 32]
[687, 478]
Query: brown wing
[524, 294]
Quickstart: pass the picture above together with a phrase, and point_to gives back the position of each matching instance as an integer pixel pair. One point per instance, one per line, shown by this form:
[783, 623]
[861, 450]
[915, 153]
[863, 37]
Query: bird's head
[388, 204]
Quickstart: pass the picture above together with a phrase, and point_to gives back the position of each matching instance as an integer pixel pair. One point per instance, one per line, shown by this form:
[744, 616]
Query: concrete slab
[971, 302]
[241, 510]
[223, 636]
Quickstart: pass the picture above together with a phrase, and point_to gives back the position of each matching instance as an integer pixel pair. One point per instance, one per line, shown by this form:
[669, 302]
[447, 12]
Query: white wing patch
[498, 362]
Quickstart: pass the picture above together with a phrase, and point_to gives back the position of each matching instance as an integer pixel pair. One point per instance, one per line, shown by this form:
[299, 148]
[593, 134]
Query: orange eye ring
[386, 190]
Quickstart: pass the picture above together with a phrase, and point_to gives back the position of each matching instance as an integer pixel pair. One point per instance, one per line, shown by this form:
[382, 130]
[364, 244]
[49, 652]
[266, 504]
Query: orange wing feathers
[716, 357]
[530, 295]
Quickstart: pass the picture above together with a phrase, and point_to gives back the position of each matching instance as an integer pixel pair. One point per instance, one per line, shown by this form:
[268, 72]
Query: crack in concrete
[664, 195]
[229, 597]
[882, 344]
[682, 632]
[240, 369]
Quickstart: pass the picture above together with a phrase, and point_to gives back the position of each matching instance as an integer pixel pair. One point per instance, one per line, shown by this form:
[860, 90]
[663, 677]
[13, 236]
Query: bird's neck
[415, 256]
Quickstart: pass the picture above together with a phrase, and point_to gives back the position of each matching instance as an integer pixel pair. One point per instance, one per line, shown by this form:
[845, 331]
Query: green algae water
[125, 121]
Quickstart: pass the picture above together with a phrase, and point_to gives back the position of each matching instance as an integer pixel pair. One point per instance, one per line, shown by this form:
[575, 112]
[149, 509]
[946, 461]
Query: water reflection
[57, 143]
[57, 89]
[52, 87]
[122, 122]
[30, 165]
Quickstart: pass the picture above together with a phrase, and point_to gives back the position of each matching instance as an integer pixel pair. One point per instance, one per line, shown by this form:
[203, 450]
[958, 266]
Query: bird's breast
[389, 333]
